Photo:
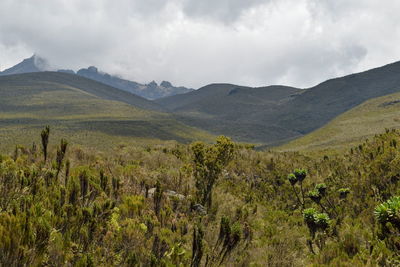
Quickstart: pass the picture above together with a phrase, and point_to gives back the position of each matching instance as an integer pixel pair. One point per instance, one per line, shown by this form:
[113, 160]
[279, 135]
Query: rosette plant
[389, 212]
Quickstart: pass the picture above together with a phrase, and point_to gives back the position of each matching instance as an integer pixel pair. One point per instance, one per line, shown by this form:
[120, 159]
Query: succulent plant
[300, 174]
[322, 220]
[315, 195]
[292, 179]
[315, 221]
[309, 215]
[321, 188]
[389, 211]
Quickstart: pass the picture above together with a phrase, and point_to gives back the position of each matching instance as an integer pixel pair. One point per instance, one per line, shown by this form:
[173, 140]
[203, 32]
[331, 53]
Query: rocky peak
[153, 84]
[166, 84]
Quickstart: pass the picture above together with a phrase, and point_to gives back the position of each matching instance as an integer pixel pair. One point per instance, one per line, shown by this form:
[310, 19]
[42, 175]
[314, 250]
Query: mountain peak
[152, 84]
[166, 84]
[93, 69]
[34, 63]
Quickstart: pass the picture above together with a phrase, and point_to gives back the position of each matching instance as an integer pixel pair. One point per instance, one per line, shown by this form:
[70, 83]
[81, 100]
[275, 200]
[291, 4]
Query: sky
[196, 42]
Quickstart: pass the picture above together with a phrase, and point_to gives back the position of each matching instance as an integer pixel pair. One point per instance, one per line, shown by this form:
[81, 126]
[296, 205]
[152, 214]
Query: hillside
[87, 85]
[233, 110]
[90, 112]
[275, 114]
[148, 91]
[353, 126]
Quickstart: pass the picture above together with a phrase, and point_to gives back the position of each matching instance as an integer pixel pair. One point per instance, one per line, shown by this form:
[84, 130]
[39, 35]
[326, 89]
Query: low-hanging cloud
[193, 43]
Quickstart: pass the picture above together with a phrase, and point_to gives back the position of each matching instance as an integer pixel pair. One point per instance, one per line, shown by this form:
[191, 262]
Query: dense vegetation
[199, 205]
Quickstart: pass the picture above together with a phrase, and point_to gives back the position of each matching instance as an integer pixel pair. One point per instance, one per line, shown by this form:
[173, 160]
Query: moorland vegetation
[221, 204]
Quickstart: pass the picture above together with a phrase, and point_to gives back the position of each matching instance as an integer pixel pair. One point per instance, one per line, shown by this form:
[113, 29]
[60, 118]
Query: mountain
[236, 111]
[276, 114]
[88, 112]
[352, 127]
[149, 91]
[32, 64]
[87, 85]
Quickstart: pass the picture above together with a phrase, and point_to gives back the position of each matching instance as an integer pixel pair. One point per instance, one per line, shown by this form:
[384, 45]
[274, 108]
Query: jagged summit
[33, 64]
[150, 91]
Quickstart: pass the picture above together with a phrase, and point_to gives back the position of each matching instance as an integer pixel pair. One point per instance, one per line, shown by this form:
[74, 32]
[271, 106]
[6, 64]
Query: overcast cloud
[196, 42]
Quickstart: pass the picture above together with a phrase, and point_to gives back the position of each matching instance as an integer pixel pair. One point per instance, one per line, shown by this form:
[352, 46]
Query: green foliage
[315, 196]
[315, 221]
[321, 189]
[292, 179]
[343, 192]
[300, 174]
[45, 141]
[209, 162]
[389, 211]
[102, 209]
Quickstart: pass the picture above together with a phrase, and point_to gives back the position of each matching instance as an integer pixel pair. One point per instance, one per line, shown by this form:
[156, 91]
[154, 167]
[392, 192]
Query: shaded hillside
[320, 104]
[277, 114]
[234, 110]
[87, 85]
[351, 127]
[90, 112]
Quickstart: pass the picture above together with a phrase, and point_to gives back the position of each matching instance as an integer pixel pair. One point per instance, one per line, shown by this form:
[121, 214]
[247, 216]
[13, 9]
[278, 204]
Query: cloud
[193, 43]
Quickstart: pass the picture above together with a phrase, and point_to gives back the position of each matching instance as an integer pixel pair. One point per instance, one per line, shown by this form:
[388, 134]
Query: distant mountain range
[148, 91]
[270, 115]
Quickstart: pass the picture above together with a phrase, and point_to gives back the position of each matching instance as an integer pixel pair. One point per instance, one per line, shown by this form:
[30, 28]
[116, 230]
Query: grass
[82, 117]
[353, 126]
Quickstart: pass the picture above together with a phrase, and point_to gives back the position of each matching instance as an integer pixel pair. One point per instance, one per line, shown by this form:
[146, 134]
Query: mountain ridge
[298, 113]
[149, 91]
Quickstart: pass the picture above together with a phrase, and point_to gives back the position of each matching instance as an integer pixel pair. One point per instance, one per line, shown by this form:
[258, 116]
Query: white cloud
[193, 43]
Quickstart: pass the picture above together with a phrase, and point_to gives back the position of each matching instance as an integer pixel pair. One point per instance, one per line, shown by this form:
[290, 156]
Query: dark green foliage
[45, 141]
[343, 192]
[292, 179]
[60, 155]
[197, 247]
[300, 174]
[315, 196]
[315, 221]
[321, 189]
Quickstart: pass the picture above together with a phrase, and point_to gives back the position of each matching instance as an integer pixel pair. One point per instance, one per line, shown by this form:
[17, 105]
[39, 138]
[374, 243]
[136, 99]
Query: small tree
[60, 155]
[209, 162]
[297, 177]
[45, 140]
[316, 222]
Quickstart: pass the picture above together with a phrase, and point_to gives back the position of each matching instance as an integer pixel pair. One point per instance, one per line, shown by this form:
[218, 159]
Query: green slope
[87, 112]
[234, 110]
[353, 126]
[275, 114]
